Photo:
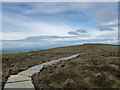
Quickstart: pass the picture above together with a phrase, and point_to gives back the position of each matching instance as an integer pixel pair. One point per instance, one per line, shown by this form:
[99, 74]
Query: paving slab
[50, 62]
[24, 84]
[70, 57]
[18, 78]
[28, 72]
[23, 79]
[37, 67]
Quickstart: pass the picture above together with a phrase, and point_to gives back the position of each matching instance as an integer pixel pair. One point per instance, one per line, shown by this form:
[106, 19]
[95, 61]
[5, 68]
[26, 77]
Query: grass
[97, 67]
[79, 73]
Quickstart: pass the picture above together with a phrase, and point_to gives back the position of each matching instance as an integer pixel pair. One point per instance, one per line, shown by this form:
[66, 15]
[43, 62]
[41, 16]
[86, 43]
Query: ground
[97, 66]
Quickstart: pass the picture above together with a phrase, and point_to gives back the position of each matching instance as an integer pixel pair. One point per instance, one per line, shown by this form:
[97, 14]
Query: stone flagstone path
[23, 79]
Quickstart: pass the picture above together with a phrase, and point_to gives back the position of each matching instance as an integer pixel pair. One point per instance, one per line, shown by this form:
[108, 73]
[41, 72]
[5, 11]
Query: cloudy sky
[43, 24]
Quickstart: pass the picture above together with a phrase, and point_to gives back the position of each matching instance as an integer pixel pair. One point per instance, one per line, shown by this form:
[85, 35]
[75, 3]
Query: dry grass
[79, 72]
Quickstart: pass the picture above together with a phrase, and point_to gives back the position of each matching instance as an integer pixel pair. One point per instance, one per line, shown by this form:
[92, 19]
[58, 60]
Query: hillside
[97, 66]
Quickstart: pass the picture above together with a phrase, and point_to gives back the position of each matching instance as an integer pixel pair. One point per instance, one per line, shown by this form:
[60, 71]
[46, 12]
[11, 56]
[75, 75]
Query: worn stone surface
[24, 84]
[28, 72]
[18, 78]
[50, 62]
[37, 67]
[23, 79]
[70, 57]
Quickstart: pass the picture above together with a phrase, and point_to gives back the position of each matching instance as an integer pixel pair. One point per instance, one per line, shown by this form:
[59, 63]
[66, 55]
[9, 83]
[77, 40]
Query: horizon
[53, 24]
[24, 50]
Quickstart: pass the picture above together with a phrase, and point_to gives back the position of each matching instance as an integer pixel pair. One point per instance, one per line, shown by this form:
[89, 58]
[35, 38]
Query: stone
[28, 72]
[50, 62]
[37, 67]
[70, 57]
[23, 79]
[18, 78]
[24, 84]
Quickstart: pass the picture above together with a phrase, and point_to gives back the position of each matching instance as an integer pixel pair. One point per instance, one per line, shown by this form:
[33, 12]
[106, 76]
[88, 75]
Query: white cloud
[106, 14]
[29, 27]
[105, 35]
[114, 22]
[22, 26]
[56, 7]
[13, 36]
[110, 37]
[37, 29]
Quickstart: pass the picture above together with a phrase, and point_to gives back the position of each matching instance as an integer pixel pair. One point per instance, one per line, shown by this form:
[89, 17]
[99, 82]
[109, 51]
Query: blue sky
[43, 24]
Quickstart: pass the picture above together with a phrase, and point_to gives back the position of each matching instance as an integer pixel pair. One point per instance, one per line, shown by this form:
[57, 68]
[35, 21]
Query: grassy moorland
[96, 67]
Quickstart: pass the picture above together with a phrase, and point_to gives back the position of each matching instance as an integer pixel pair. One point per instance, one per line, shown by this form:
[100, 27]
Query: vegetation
[96, 67]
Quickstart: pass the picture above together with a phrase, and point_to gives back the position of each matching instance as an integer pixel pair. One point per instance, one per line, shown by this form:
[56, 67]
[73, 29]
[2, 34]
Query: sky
[51, 24]
[60, 0]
